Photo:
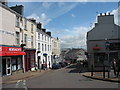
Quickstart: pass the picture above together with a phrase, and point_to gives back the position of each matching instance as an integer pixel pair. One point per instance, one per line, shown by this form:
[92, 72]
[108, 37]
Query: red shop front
[29, 59]
[11, 59]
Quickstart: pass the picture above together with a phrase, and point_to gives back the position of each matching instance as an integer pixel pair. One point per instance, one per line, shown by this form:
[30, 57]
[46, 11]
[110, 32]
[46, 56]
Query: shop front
[11, 59]
[30, 62]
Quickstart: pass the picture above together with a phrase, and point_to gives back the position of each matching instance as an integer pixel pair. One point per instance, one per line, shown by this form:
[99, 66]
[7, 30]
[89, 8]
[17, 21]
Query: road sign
[44, 54]
[107, 44]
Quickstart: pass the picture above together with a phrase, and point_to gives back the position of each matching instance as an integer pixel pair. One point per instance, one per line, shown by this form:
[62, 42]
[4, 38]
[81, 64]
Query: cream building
[56, 50]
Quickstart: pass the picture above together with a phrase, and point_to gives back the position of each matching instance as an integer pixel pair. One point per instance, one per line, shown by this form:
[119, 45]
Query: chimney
[39, 25]
[109, 13]
[100, 14]
[19, 9]
[105, 14]
[44, 30]
[49, 33]
[33, 20]
[4, 2]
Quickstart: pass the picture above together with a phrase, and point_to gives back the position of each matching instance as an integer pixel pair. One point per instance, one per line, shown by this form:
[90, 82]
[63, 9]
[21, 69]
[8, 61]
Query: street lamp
[107, 45]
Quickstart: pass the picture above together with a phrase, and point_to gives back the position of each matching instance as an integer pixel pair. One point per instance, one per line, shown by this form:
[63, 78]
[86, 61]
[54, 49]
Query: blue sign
[45, 54]
[107, 44]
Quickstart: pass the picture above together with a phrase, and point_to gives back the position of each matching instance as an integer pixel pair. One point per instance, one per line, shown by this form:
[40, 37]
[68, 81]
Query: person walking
[118, 67]
[114, 66]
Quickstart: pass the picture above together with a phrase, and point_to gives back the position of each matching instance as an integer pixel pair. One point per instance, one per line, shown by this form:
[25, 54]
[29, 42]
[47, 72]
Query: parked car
[62, 64]
[56, 66]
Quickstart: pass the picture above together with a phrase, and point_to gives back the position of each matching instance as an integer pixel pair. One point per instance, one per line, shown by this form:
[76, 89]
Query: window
[25, 24]
[42, 47]
[17, 38]
[17, 21]
[48, 47]
[45, 47]
[38, 35]
[39, 46]
[32, 41]
[31, 28]
[32, 59]
[42, 36]
[25, 39]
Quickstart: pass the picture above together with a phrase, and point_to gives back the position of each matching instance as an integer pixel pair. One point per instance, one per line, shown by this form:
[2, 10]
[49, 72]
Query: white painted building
[43, 47]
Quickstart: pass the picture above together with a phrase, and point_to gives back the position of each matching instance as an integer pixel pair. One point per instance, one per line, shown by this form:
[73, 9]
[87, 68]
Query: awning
[11, 51]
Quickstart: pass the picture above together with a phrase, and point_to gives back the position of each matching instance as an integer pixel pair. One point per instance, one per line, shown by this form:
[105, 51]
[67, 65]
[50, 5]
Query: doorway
[6, 66]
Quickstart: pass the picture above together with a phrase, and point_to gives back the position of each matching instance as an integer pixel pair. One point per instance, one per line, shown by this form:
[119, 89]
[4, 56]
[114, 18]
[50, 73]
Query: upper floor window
[38, 46]
[42, 36]
[32, 41]
[25, 23]
[45, 47]
[17, 38]
[32, 28]
[42, 47]
[17, 21]
[25, 39]
[38, 35]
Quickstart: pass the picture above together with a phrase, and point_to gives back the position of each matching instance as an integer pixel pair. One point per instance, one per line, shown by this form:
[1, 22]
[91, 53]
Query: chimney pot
[100, 14]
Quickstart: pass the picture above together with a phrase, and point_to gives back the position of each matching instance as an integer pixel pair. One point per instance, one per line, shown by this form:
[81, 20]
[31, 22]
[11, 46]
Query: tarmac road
[62, 78]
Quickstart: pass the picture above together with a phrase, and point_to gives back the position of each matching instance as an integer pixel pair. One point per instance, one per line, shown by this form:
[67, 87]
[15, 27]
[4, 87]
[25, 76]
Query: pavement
[22, 76]
[99, 76]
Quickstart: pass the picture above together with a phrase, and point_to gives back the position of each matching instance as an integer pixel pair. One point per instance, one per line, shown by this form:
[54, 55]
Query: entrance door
[8, 66]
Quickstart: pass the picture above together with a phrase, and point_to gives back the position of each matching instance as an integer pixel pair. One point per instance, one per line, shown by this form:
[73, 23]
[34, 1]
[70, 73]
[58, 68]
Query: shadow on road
[77, 69]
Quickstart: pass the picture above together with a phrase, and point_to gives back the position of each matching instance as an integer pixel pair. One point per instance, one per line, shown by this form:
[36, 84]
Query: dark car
[56, 66]
[62, 64]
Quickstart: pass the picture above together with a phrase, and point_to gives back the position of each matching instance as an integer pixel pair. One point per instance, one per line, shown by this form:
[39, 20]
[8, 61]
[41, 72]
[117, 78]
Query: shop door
[8, 66]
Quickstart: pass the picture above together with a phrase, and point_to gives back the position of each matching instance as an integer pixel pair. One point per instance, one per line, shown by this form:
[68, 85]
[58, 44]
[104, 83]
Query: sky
[69, 21]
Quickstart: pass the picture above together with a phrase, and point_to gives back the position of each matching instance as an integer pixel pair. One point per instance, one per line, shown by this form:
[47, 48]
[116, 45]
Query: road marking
[21, 84]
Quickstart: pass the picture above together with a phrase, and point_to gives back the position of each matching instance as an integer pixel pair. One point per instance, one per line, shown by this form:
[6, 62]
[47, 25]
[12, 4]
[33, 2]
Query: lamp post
[107, 45]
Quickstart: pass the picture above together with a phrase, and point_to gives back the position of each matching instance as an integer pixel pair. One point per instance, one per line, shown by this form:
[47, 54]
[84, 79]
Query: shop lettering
[0, 49]
[6, 32]
[14, 49]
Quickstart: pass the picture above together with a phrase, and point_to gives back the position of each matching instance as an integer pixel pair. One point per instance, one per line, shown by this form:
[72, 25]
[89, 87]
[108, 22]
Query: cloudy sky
[69, 21]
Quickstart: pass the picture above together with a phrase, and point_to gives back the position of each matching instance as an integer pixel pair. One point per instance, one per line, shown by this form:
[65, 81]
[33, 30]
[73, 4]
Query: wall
[7, 26]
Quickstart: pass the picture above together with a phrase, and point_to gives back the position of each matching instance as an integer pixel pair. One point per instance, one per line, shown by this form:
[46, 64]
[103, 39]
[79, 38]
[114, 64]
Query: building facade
[56, 49]
[103, 41]
[44, 47]
[10, 53]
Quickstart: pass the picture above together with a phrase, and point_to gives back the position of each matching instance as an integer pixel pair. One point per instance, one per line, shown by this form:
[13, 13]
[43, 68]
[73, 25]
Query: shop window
[16, 64]
[32, 60]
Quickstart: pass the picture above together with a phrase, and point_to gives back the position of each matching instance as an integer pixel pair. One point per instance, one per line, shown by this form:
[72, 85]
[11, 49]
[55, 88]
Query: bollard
[103, 71]
[91, 70]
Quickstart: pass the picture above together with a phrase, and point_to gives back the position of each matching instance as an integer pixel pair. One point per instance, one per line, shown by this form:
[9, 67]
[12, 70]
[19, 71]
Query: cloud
[63, 0]
[42, 18]
[76, 37]
[116, 13]
[73, 15]
[47, 5]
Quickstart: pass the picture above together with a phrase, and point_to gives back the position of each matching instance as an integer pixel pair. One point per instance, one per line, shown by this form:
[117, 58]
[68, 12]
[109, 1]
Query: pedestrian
[49, 64]
[114, 66]
[118, 67]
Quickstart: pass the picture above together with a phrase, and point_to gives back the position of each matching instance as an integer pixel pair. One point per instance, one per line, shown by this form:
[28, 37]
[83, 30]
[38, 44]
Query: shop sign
[10, 49]
[7, 32]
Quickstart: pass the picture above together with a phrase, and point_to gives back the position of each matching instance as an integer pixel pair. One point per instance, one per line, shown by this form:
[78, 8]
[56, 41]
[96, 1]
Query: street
[62, 78]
